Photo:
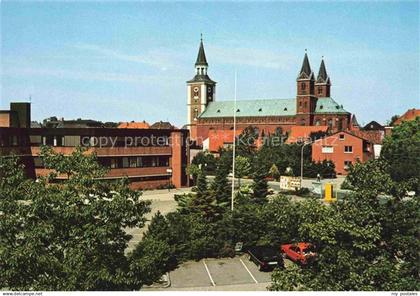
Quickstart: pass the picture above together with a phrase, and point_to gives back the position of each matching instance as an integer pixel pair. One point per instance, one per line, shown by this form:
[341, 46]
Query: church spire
[306, 68]
[322, 74]
[201, 58]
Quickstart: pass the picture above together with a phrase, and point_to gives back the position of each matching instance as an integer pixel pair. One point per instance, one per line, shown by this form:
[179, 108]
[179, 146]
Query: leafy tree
[67, 236]
[246, 142]
[401, 151]
[393, 119]
[193, 170]
[260, 186]
[206, 160]
[361, 246]
[274, 172]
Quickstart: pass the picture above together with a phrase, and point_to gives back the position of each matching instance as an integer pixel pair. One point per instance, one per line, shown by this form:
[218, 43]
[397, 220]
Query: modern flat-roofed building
[150, 158]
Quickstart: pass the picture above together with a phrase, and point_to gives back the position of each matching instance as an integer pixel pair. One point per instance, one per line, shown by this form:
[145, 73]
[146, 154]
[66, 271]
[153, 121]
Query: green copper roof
[328, 105]
[267, 107]
[251, 108]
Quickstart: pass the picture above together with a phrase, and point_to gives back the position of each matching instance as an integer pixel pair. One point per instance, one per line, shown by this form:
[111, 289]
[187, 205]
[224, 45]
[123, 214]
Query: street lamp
[301, 162]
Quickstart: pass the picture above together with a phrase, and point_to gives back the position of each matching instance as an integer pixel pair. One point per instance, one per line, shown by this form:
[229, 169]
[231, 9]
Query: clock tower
[201, 91]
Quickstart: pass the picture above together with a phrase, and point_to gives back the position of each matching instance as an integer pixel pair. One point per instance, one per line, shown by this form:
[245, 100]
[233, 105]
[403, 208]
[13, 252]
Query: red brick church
[313, 106]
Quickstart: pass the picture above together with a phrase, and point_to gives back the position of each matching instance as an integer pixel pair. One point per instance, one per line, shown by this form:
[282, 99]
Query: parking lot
[225, 274]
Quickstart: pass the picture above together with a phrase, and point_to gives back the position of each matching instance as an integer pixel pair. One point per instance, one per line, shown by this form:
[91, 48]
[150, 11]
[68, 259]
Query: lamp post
[234, 150]
[301, 163]
[169, 171]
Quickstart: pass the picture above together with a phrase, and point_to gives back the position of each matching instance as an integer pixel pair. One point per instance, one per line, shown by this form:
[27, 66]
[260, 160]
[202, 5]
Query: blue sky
[129, 60]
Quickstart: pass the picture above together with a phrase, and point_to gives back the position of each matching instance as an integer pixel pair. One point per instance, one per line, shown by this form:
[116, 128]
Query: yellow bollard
[329, 193]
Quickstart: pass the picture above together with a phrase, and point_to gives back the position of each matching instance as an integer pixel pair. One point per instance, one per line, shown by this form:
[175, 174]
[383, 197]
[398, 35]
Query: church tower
[201, 91]
[305, 99]
[323, 82]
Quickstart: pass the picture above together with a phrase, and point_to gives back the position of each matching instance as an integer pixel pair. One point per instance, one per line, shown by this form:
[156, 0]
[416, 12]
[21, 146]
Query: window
[317, 122]
[341, 137]
[195, 112]
[330, 123]
[303, 86]
[125, 162]
[38, 162]
[327, 149]
[139, 162]
[305, 104]
[348, 149]
[14, 140]
[319, 90]
[347, 164]
[114, 163]
[133, 162]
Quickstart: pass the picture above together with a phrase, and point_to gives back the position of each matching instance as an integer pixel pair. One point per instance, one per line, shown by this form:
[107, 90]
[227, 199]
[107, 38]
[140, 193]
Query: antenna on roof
[201, 37]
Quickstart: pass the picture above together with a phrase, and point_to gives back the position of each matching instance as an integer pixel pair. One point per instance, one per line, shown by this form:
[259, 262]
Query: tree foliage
[70, 235]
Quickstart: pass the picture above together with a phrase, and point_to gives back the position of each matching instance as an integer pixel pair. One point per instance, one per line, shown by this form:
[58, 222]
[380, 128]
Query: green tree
[221, 188]
[401, 151]
[242, 167]
[274, 172]
[206, 161]
[193, 170]
[71, 235]
[260, 186]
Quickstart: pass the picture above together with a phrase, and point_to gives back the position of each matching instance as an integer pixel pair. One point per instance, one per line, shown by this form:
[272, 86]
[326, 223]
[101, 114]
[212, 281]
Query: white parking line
[248, 271]
[208, 272]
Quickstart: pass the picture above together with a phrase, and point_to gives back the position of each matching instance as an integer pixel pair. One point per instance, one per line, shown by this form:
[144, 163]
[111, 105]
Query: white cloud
[159, 58]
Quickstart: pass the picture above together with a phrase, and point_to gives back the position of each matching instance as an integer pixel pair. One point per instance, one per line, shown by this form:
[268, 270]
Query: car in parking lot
[301, 252]
[266, 258]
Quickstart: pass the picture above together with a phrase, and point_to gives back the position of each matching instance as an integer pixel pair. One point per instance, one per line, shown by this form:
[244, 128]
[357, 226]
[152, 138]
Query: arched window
[303, 86]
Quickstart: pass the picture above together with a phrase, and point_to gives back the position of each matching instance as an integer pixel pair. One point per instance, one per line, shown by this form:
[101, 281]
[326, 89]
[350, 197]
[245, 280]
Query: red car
[299, 252]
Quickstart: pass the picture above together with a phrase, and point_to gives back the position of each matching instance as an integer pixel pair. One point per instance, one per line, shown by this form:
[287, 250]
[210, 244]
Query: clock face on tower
[209, 89]
[196, 91]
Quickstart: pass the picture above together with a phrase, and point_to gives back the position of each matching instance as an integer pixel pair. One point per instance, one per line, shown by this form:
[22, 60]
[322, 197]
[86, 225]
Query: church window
[259, 110]
[303, 85]
[285, 109]
[321, 107]
[218, 111]
[319, 90]
[238, 110]
[330, 123]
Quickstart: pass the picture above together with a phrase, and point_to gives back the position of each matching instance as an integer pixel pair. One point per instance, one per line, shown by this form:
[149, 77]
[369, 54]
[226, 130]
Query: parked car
[299, 252]
[266, 258]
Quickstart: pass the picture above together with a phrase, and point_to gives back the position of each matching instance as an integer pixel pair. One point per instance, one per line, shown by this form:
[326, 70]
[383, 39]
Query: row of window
[134, 161]
[330, 149]
[124, 162]
[87, 141]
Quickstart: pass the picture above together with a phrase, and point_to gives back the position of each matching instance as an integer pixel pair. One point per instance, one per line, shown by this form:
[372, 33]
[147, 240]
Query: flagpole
[234, 147]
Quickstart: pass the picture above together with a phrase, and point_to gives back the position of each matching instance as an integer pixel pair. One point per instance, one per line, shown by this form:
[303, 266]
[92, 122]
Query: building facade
[312, 106]
[344, 149]
[149, 158]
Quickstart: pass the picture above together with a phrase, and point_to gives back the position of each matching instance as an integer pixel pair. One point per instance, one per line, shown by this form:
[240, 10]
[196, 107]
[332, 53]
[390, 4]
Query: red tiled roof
[373, 136]
[217, 138]
[141, 125]
[300, 133]
[411, 114]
